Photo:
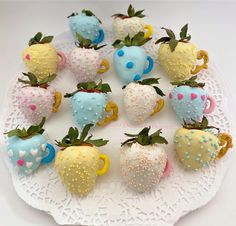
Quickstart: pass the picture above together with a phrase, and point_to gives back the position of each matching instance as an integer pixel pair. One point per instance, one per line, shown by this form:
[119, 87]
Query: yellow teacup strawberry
[179, 57]
[41, 57]
[78, 162]
[197, 145]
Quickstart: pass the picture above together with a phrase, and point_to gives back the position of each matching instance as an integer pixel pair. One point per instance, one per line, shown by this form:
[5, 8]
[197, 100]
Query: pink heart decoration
[180, 96]
[193, 96]
[20, 162]
[27, 56]
[203, 97]
[170, 95]
[32, 107]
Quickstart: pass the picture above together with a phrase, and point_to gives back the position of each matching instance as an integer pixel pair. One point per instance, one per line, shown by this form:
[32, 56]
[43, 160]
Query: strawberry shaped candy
[37, 99]
[85, 62]
[89, 104]
[189, 100]
[41, 57]
[78, 161]
[178, 57]
[130, 24]
[141, 99]
[86, 24]
[143, 160]
[197, 145]
[28, 148]
[130, 59]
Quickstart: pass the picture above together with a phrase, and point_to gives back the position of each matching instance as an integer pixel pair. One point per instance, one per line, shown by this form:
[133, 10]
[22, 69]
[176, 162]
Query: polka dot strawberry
[37, 99]
[28, 148]
[130, 24]
[141, 99]
[179, 57]
[189, 100]
[90, 103]
[130, 58]
[85, 61]
[143, 160]
[198, 145]
[86, 24]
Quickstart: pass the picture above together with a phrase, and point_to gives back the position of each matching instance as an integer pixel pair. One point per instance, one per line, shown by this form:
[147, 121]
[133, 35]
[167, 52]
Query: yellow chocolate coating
[42, 59]
[196, 148]
[179, 63]
[77, 167]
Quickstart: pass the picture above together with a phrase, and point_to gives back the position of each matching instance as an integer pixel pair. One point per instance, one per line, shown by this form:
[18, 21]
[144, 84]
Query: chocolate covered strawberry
[37, 99]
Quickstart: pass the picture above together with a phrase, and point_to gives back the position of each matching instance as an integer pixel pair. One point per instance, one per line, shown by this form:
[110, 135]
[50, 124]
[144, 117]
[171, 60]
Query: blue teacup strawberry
[90, 102]
[130, 59]
[28, 148]
[86, 24]
[190, 100]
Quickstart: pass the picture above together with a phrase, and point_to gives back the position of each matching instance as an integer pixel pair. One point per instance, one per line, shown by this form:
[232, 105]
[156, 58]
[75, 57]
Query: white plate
[111, 203]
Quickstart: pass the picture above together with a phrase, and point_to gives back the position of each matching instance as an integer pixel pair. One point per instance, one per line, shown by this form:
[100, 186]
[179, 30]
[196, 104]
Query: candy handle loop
[61, 63]
[150, 65]
[167, 169]
[202, 54]
[100, 37]
[159, 107]
[57, 102]
[110, 107]
[226, 142]
[106, 163]
[104, 66]
[212, 106]
[51, 154]
[149, 29]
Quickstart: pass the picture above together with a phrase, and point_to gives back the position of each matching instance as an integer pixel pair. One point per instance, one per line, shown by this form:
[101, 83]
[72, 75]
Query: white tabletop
[212, 26]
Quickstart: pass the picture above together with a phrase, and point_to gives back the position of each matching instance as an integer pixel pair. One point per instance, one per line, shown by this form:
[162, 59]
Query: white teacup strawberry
[78, 161]
[85, 62]
[90, 103]
[141, 99]
[197, 145]
[28, 148]
[130, 24]
[130, 58]
[41, 57]
[179, 57]
[189, 100]
[143, 160]
[37, 99]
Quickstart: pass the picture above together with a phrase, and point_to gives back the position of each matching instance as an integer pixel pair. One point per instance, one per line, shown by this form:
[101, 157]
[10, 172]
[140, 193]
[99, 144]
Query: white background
[213, 28]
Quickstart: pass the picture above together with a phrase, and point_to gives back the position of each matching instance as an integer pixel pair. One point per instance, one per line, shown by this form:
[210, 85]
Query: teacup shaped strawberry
[77, 163]
[28, 148]
[197, 145]
[141, 99]
[190, 100]
[37, 99]
[41, 58]
[85, 62]
[179, 57]
[130, 58]
[143, 160]
[90, 103]
[130, 24]
[86, 24]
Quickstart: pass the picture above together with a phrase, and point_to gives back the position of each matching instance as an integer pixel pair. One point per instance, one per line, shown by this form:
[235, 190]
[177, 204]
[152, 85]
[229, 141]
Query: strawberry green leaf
[159, 91]
[169, 32]
[47, 39]
[98, 142]
[183, 32]
[189, 82]
[163, 40]
[173, 43]
[130, 13]
[90, 13]
[39, 39]
[73, 14]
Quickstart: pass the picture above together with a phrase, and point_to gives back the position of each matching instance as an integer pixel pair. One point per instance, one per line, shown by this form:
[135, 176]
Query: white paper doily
[111, 202]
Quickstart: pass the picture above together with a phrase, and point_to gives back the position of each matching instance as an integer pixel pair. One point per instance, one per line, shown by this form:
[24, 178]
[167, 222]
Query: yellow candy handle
[104, 66]
[149, 29]
[202, 54]
[111, 106]
[57, 102]
[159, 107]
[106, 164]
[226, 142]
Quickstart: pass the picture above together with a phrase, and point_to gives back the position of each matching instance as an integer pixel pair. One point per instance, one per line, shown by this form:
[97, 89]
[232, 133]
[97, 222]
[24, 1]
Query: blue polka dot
[130, 65]
[137, 77]
[120, 53]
